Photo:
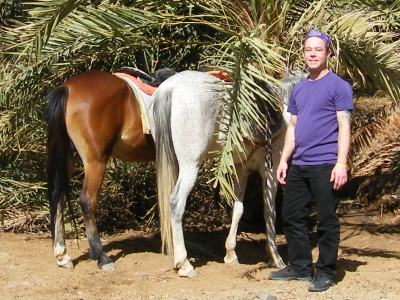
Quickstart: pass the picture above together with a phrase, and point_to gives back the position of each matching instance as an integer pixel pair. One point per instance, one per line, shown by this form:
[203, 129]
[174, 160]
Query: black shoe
[288, 273]
[321, 282]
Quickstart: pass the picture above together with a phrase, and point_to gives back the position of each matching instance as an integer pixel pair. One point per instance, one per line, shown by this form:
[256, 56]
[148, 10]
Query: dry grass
[24, 220]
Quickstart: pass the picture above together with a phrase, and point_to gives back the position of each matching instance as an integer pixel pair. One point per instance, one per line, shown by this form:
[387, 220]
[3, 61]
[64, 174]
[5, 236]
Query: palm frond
[80, 40]
[370, 57]
[249, 60]
[382, 150]
[364, 50]
[45, 16]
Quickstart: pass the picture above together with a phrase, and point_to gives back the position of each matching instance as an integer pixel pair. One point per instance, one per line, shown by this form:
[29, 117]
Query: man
[317, 140]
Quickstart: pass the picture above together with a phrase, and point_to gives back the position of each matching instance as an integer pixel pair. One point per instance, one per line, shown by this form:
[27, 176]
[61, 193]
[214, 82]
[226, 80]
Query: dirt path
[368, 268]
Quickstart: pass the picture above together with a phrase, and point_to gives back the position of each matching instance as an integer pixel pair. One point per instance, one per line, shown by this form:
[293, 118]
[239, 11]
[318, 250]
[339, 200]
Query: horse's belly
[139, 149]
[251, 158]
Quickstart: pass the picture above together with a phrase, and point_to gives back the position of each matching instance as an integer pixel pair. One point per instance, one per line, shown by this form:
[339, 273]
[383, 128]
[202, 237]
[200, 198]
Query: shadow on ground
[201, 246]
[347, 265]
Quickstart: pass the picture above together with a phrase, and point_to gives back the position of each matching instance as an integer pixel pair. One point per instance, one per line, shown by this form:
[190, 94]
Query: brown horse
[96, 115]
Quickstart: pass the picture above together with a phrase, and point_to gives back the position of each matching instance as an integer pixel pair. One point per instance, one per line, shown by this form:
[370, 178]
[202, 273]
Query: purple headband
[321, 35]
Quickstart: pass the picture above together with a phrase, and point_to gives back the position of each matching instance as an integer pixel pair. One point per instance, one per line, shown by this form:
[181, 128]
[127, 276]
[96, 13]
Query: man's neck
[317, 74]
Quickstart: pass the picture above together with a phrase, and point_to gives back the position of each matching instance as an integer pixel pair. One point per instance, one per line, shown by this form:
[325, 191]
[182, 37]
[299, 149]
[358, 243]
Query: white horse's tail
[166, 163]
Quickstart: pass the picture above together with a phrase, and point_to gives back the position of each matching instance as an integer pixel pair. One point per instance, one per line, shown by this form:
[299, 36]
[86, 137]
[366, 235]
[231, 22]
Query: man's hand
[281, 172]
[339, 176]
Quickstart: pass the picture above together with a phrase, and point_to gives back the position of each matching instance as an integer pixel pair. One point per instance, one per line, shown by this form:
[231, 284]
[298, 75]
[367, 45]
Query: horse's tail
[167, 165]
[59, 151]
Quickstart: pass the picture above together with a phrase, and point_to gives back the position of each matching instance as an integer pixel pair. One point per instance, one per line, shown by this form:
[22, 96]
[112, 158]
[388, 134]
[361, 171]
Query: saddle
[138, 81]
[147, 83]
[141, 81]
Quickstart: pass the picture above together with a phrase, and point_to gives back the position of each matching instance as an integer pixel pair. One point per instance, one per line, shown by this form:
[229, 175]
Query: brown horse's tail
[59, 150]
[167, 165]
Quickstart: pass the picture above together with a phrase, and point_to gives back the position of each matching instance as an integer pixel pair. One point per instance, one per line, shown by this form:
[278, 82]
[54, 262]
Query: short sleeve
[343, 96]
[292, 107]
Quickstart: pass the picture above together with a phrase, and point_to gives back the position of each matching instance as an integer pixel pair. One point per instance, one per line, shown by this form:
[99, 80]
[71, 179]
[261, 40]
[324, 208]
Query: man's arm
[287, 151]
[339, 172]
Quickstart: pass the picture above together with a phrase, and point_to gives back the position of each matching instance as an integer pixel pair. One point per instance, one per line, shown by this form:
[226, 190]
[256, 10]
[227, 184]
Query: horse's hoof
[110, 267]
[105, 263]
[187, 270]
[65, 262]
[187, 273]
[230, 261]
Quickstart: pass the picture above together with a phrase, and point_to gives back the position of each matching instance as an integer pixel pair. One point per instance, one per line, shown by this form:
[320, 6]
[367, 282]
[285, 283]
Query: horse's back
[194, 108]
[103, 118]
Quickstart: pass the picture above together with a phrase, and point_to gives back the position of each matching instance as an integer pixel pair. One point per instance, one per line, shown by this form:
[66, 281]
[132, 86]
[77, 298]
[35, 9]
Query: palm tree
[255, 41]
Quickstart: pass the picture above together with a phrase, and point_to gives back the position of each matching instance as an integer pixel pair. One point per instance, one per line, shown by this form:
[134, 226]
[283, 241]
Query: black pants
[304, 183]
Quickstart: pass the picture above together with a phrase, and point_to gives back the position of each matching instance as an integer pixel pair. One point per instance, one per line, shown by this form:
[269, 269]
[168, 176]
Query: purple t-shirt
[315, 103]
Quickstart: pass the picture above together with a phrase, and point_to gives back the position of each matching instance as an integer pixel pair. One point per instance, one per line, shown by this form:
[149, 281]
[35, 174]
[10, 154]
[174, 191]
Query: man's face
[315, 54]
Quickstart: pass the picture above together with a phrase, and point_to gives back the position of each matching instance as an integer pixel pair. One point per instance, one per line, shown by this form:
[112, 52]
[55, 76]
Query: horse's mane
[273, 115]
[288, 82]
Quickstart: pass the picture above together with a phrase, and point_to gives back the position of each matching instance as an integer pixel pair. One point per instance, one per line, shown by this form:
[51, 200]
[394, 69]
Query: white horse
[185, 130]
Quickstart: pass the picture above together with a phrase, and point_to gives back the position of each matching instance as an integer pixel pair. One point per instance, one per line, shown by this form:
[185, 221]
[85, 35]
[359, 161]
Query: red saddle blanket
[221, 75]
[145, 88]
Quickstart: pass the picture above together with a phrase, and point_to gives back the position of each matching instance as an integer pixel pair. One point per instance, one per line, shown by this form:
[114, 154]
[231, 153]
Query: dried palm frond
[383, 148]
[24, 220]
[376, 159]
[370, 115]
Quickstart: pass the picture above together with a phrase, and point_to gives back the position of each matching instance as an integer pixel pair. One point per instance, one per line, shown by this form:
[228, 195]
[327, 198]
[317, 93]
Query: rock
[265, 296]
[142, 275]
[396, 220]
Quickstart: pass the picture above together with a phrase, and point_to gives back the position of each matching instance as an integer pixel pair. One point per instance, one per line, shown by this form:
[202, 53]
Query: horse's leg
[94, 171]
[270, 184]
[186, 180]
[239, 188]
[59, 248]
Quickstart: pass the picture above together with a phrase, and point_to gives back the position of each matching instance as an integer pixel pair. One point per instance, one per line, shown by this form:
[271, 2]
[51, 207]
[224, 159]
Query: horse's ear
[163, 74]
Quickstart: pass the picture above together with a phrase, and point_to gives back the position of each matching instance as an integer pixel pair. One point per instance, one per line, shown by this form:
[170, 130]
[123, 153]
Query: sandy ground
[368, 267]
